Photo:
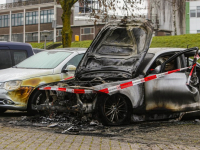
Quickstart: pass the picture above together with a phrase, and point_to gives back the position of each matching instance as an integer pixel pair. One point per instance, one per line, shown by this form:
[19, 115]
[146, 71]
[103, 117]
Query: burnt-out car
[118, 78]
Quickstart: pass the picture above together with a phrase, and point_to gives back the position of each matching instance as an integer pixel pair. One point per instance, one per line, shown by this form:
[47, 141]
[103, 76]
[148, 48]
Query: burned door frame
[172, 95]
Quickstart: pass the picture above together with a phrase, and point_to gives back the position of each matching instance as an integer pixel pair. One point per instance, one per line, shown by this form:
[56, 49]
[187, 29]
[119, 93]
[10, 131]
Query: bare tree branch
[107, 9]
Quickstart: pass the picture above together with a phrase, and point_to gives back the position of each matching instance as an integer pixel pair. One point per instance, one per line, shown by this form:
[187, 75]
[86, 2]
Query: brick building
[25, 20]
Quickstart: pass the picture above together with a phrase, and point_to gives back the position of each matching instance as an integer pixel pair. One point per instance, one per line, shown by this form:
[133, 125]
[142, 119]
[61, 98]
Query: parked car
[37, 50]
[18, 84]
[12, 53]
[111, 79]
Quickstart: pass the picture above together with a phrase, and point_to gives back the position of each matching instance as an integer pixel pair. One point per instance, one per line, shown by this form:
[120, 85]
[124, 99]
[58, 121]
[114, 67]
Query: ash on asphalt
[86, 125]
[59, 123]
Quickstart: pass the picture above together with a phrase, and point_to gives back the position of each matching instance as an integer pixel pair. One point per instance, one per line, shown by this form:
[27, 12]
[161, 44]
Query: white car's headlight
[12, 85]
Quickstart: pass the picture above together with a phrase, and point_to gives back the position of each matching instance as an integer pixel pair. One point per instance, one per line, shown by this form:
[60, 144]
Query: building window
[4, 21]
[35, 17]
[31, 37]
[87, 31]
[32, 17]
[59, 32]
[192, 13]
[4, 37]
[198, 11]
[17, 37]
[47, 16]
[17, 19]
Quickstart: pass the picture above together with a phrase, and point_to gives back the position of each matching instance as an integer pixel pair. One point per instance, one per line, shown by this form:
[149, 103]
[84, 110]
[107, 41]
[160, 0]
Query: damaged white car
[118, 78]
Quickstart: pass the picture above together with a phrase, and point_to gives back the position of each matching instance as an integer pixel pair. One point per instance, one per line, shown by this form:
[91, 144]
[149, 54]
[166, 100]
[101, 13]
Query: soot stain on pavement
[149, 132]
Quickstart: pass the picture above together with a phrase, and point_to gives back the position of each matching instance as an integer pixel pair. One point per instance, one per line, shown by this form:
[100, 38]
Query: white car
[17, 84]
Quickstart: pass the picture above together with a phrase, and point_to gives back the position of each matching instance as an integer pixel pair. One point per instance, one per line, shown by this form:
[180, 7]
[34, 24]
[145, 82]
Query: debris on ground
[62, 122]
[197, 120]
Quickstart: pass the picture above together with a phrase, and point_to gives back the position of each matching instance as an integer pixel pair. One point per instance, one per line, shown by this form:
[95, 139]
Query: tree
[106, 8]
[174, 10]
[178, 5]
[66, 30]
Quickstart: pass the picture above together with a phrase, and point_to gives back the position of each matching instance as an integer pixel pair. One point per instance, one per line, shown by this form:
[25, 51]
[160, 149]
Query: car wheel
[37, 98]
[115, 110]
[2, 110]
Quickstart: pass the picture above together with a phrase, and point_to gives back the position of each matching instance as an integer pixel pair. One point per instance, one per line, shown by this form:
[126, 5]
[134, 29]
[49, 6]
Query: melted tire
[38, 97]
[114, 110]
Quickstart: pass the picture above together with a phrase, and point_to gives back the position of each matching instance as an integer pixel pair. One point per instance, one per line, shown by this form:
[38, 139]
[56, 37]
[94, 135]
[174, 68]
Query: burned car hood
[22, 74]
[117, 51]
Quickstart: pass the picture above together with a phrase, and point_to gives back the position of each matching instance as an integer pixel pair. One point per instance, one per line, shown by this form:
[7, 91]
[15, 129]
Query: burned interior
[110, 80]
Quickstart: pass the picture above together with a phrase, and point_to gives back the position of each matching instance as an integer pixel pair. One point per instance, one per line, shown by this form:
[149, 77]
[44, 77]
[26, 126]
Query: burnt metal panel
[124, 55]
[170, 93]
[134, 93]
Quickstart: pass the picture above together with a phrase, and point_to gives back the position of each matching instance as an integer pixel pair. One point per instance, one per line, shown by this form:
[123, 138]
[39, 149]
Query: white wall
[194, 21]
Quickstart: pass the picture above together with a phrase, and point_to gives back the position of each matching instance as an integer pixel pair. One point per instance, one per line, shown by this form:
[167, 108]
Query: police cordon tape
[120, 86]
[68, 78]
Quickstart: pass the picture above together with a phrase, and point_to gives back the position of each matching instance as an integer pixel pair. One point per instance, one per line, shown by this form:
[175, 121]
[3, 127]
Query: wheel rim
[115, 108]
[40, 99]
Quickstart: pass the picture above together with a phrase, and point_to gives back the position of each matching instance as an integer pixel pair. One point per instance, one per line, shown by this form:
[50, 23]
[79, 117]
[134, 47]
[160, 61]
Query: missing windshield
[118, 42]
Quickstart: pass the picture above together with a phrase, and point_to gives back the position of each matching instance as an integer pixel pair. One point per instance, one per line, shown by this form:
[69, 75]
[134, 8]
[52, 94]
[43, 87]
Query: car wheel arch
[135, 94]
[35, 89]
[102, 98]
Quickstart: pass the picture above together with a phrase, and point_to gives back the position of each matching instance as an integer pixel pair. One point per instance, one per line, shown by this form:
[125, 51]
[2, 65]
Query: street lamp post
[45, 33]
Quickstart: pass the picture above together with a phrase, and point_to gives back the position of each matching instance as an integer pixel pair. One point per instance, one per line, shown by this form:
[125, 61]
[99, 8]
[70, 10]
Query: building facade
[26, 20]
[192, 17]
[168, 16]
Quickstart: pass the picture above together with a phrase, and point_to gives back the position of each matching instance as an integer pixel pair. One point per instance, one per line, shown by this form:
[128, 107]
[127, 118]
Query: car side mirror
[157, 69]
[69, 68]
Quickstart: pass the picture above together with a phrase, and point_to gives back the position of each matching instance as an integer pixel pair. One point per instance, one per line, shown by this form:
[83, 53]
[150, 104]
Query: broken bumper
[7, 102]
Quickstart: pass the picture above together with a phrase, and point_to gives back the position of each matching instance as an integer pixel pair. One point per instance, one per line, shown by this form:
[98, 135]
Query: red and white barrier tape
[77, 91]
[191, 72]
[190, 75]
[117, 87]
[68, 78]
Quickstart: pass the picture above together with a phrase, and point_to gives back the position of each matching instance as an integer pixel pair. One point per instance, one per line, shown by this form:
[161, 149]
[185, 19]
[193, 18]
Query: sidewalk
[23, 138]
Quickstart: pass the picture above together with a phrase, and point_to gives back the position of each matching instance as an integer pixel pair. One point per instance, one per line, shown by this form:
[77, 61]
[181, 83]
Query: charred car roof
[117, 50]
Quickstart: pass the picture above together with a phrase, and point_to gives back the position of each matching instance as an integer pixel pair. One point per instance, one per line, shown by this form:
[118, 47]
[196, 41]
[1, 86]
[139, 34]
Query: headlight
[12, 85]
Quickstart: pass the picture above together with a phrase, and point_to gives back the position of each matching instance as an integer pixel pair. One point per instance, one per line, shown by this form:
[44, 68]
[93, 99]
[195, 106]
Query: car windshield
[44, 60]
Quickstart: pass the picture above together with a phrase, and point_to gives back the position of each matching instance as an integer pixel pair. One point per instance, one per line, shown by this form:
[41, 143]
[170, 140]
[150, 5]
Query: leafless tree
[178, 8]
[107, 8]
